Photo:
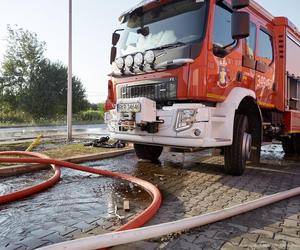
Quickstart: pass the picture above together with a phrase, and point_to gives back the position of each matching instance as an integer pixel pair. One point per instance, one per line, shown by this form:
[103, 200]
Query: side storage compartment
[293, 87]
[293, 72]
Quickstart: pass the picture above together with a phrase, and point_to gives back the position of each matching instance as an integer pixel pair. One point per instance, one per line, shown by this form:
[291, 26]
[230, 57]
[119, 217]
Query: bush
[89, 115]
[15, 117]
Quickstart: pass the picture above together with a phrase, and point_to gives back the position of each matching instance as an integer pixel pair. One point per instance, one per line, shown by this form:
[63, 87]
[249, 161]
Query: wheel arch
[243, 101]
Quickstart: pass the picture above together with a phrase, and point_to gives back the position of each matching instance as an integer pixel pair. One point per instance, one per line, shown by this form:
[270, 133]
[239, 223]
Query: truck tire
[148, 152]
[239, 152]
[288, 145]
[296, 142]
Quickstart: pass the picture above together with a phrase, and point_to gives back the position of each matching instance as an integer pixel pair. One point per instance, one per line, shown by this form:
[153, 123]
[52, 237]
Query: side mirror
[240, 25]
[239, 4]
[115, 38]
[113, 54]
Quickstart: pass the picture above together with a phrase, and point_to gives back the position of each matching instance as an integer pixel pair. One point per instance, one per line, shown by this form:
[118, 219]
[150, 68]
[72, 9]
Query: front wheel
[288, 145]
[239, 152]
[148, 152]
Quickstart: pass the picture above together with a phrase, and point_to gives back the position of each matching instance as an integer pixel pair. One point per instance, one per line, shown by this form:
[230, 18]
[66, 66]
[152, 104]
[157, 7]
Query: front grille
[161, 90]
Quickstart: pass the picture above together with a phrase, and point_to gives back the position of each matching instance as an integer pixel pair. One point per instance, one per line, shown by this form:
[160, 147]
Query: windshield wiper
[170, 45]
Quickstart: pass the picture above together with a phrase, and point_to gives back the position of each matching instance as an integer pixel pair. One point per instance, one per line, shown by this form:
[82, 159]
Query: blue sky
[93, 23]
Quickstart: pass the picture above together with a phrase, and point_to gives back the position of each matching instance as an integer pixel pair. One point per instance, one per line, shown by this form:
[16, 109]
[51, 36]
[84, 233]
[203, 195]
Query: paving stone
[273, 229]
[290, 223]
[293, 209]
[90, 228]
[294, 217]
[40, 233]
[247, 243]
[14, 247]
[265, 233]
[230, 246]
[190, 237]
[188, 246]
[240, 227]
[266, 242]
[209, 233]
[225, 236]
[294, 232]
[54, 238]
[138, 245]
[292, 246]
[81, 225]
[33, 243]
[250, 236]
[235, 240]
[295, 240]
[96, 231]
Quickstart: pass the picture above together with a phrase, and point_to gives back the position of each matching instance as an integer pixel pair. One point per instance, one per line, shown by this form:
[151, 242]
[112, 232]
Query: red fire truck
[192, 74]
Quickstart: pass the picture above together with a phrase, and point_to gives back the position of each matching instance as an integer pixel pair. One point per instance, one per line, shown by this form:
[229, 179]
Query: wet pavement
[191, 184]
[79, 203]
[16, 133]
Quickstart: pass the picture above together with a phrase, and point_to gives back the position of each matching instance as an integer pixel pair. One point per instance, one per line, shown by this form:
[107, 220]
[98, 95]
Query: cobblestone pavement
[191, 184]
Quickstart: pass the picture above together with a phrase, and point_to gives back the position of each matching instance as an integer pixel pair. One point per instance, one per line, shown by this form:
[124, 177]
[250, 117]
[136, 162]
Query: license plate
[129, 107]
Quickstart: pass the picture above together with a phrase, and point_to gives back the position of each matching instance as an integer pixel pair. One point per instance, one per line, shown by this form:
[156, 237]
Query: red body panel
[292, 122]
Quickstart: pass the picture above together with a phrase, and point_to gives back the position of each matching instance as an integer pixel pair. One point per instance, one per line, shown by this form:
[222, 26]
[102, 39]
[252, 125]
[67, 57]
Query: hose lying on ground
[129, 236]
[138, 221]
[132, 235]
[34, 189]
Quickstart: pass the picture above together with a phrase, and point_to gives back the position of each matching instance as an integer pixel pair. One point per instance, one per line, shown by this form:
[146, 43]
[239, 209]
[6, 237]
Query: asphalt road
[17, 133]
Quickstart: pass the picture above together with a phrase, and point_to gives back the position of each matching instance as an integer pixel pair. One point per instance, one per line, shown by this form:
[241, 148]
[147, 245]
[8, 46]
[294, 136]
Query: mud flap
[256, 146]
[255, 153]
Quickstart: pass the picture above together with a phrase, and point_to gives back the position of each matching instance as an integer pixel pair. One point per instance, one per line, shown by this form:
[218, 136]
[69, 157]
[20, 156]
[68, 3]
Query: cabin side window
[251, 41]
[265, 50]
[222, 27]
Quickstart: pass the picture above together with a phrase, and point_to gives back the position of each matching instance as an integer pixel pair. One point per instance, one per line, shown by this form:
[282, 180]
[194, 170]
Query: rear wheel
[148, 152]
[296, 143]
[288, 145]
[239, 152]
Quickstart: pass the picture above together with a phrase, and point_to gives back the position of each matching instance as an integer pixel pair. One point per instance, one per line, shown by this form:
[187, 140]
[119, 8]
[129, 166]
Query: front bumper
[214, 129]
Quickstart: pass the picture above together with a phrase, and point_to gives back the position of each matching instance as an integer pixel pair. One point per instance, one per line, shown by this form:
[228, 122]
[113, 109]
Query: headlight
[129, 61]
[120, 63]
[149, 57]
[185, 119]
[138, 59]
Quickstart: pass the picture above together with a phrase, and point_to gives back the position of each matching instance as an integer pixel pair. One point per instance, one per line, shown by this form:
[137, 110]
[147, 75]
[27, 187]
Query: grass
[15, 146]
[60, 150]
[18, 118]
[70, 150]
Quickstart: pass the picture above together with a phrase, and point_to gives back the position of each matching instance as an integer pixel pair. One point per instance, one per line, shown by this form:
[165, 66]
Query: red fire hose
[136, 222]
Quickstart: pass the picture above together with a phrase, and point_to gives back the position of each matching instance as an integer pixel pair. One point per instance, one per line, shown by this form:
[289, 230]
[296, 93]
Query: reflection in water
[78, 196]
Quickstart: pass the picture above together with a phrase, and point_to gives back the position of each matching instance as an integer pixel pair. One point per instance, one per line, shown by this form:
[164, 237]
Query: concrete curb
[22, 169]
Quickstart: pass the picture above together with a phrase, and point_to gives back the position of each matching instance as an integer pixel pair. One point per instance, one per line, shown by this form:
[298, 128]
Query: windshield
[178, 22]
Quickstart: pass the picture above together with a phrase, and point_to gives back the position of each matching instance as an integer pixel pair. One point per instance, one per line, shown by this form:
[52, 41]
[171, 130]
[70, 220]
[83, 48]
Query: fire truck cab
[205, 74]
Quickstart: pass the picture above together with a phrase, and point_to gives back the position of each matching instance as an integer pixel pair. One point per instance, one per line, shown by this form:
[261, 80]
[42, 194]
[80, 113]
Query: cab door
[265, 69]
[249, 57]
[224, 69]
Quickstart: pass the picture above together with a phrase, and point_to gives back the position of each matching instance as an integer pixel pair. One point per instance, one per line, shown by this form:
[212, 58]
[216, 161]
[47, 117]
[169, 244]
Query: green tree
[32, 83]
[22, 62]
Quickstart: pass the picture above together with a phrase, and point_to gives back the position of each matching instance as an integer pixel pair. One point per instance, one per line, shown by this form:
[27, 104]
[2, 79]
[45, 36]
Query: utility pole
[69, 98]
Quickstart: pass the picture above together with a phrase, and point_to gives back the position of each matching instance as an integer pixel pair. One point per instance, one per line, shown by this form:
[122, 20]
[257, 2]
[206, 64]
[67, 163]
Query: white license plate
[129, 107]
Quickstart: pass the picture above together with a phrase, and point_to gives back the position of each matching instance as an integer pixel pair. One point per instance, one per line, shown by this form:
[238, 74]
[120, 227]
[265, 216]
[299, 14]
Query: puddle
[78, 196]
